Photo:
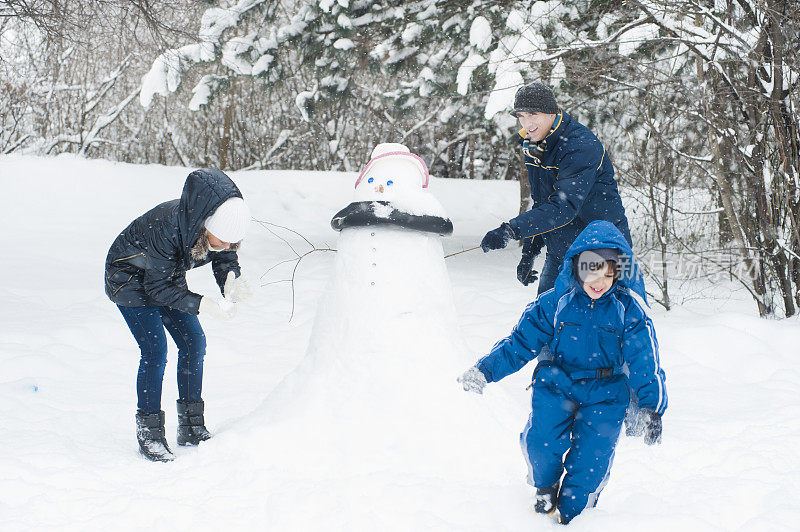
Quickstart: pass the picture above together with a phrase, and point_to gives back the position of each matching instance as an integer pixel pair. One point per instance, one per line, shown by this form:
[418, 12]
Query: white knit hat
[230, 221]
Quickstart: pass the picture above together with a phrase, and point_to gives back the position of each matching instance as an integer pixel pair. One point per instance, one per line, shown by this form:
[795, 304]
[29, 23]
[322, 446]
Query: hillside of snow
[68, 453]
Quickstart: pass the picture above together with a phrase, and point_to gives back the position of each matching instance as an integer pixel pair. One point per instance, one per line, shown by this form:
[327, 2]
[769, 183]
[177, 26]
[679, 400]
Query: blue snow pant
[147, 325]
[581, 418]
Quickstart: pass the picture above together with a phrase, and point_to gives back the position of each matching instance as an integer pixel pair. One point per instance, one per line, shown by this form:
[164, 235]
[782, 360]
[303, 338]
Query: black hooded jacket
[147, 263]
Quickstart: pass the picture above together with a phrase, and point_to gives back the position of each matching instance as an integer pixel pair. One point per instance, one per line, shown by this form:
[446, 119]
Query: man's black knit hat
[535, 98]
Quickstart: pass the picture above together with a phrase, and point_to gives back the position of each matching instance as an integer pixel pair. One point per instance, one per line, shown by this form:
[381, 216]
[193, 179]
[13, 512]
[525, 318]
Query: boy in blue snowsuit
[603, 348]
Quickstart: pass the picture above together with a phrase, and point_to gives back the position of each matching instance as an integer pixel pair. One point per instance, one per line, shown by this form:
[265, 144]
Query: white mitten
[473, 380]
[237, 288]
[220, 308]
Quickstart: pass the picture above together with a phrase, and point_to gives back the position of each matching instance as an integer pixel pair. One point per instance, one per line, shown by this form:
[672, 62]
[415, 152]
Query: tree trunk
[225, 141]
[471, 158]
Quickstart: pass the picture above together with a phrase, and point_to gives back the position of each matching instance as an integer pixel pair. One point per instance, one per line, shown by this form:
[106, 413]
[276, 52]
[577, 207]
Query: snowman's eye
[390, 182]
[370, 180]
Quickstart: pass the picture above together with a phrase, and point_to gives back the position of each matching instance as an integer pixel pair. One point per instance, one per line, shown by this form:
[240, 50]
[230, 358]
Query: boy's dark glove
[652, 427]
[530, 250]
[498, 238]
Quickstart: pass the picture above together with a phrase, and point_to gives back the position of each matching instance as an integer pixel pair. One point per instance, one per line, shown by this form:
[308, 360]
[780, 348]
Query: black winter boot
[191, 425]
[150, 433]
[546, 499]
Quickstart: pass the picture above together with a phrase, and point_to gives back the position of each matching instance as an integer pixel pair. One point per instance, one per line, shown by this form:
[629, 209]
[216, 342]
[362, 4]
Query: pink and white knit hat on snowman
[388, 151]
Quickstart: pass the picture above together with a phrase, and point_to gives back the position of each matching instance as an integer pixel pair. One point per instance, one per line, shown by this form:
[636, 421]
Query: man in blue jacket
[145, 276]
[572, 184]
[603, 349]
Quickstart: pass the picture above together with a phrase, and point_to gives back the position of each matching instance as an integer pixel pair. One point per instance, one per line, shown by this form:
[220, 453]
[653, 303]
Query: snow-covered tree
[741, 92]
[695, 100]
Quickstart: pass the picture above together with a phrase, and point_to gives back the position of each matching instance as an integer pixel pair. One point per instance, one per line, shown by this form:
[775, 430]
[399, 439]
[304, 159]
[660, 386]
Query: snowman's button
[372, 283]
[373, 234]
[373, 249]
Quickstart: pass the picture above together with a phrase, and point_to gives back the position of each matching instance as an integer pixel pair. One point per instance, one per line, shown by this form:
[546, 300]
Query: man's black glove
[498, 238]
[525, 272]
[652, 427]
[530, 249]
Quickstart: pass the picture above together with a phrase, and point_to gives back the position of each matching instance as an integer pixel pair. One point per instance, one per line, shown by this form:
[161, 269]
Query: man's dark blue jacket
[572, 184]
[147, 263]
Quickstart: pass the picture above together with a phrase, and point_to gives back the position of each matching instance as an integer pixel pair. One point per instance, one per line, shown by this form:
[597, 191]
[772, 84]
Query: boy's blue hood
[601, 234]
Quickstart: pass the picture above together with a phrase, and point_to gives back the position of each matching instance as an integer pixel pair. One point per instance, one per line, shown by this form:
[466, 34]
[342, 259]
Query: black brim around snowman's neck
[364, 214]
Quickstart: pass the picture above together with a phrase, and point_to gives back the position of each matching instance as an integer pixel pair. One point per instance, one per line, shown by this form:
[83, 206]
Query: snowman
[390, 291]
[373, 408]
[386, 327]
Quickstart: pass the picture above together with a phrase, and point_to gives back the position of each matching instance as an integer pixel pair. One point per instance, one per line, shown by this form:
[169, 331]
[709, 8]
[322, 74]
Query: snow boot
[546, 499]
[150, 433]
[191, 425]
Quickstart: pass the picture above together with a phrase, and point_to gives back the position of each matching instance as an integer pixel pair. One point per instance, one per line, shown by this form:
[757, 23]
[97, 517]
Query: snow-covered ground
[68, 452]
